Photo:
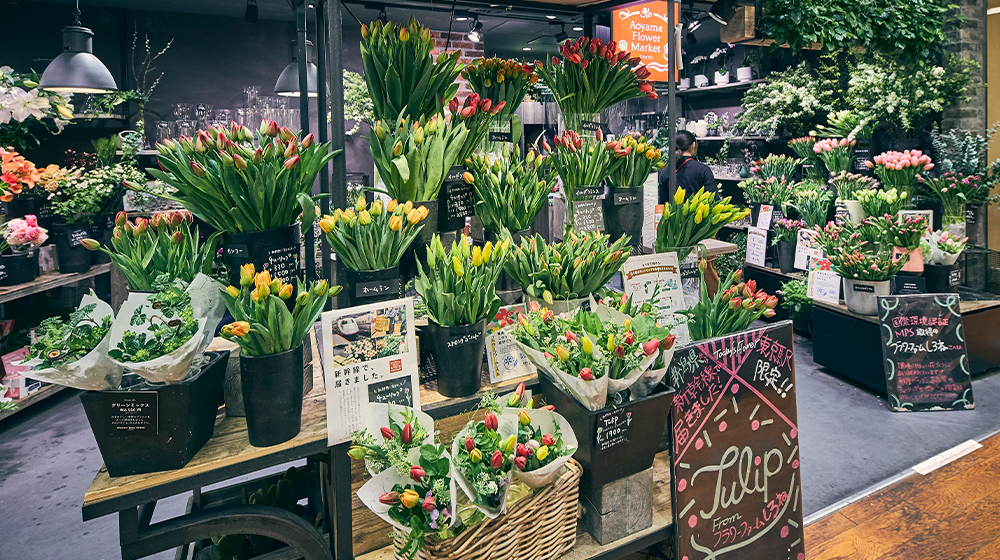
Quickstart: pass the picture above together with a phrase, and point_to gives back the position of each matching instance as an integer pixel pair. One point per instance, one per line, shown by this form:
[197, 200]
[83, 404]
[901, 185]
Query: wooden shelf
[735, 86]
[50, 281]
[38, 396]
[736, 138]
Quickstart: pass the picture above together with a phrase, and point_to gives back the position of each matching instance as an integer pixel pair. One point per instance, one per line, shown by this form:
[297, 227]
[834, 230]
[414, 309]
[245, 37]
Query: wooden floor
[953, 513]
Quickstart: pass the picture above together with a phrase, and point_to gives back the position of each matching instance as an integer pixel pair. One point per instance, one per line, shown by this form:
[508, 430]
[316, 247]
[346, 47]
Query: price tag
[588, 215]
[77, 236]
[862, 155]
[3, 271]
[625, 198]
[756, 245]
[764, 218]
[501, 132]
[841, 214]
[238, 250]
[459, 200]
[283, 262]
[376, 288]
[806, 250]
[613, 428]
[824, 285]
[970, 215]
[131, 412]
[591, 126]
[588, 193]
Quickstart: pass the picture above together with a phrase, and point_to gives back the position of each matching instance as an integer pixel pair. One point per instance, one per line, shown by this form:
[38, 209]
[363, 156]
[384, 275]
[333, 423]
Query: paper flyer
[642, 275]
[369, 356]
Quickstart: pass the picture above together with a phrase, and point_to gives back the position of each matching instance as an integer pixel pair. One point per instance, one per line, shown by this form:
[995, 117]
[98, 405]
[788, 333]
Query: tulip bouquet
[849, 184]
[22, 235]
[954, 190]
[477, 114]
[836, 154]
[539, 328]
[509, 191]
[900, 169]
[591, 76]
[459, 286]
[640, 159]
[263, 325]
[754, 191]
[222, 177]
[735, 306]
[689, 221]
[813, 204]
[781, 167]
[941, 247]
[786, 231]
[16, 174]
[541, 447]
[572, 269]
[803, 147]
[583, 161]
[372, 237]
[414, 156]
[165, 244]
[505, 81]
[854, 253]
[403, 432]
[880, 203]
[403, 79]
[620, 302]
[483, 460]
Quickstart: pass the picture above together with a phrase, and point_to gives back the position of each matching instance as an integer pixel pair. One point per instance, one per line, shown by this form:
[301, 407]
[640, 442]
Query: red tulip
[548, 440]
[292, 161]
[468, 112]
[549, 407]
[453, 105]
[668, 342]
[586, 374]
[429, 503]
[570, 337]
[496, 460]
[620, 352]
[407, 433]
[651, 347]
[389, 498]
[628, 338]
[417, 473]
[521, 462]
[197, 169]
[491, 421]
[387, 433]
[521, 450]
[470, 444]
[308, 140]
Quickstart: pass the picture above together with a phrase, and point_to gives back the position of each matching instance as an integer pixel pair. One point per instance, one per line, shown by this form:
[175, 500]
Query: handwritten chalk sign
[613, 428]
[862, 155]
[501, 132]
[376, 288]
[131, 412]
[592, 126]
[735, 473]
[926, 364]
[77, 236]
[465, 339]
[283, 262]
[840, 213]
[393, 391]
[588, 193]
[236, 250]
[626, 198]
[588, 216]
[3, 271]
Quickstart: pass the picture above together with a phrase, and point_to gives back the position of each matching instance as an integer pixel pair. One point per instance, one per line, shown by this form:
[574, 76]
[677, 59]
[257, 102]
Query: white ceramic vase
[700, 80]
[685, 83]
[744, 74]
[721, 79]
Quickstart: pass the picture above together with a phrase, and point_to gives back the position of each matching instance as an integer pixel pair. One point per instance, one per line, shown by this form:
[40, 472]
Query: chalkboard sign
[501, 132]
[626, 198]
[131, 412]
[613, 428]
[237, 250]
[592, 126]
[459, 200]
[841, 214]
[588, 216]
[862, 154]
[970, 214]
[735, 474]
[907, 285]
[394, 391]
[588, 193]
[77, 236]
[3, 271]
[283, 262]
[464, 339]
[926, 365]
[376, 288]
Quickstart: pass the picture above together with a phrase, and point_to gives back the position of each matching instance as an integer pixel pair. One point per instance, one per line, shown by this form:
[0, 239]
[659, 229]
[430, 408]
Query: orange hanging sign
[643, 31]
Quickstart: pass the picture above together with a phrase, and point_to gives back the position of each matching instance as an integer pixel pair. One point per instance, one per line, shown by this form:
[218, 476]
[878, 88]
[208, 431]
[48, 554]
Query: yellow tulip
[376, 209]
[233, 291]
[240, 328]
[285, 292]
[562, 353]
[365, 218]
[276, 285]
[359, 204]
[409, 498]
[246, 274]
[457, 264]
[611, 343]
[413, 216]
[586, 344]
[487, 251]
[262, 278]
[396, 223]
[679, 196]
[477, 256]
[542, 452]
[263, 290]
[327, 224]
[391, 207]
[407, 207]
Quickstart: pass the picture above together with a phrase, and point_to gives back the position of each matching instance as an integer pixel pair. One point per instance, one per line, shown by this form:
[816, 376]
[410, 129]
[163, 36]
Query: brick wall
[469, 50]
[968, 39]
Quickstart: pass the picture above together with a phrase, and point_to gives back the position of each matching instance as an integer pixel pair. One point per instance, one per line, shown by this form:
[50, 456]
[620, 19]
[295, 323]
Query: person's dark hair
[684, 141]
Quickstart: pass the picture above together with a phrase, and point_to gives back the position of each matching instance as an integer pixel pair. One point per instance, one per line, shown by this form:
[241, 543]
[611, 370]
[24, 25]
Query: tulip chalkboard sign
[923, 343]
[735, 475]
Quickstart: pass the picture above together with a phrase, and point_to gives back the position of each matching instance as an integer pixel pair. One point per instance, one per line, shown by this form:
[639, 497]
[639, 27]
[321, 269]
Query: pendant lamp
[288, 81]
[77, 70]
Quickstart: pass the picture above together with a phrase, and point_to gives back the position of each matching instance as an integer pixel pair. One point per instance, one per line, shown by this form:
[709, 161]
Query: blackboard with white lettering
[735, 474]
[588, 215]
[587, 193]
[626, 198]
[393, 391]
[925, 360]
[77, 236]
[501, 132]
[130, 413]
[236, 250]
[612, 428]
[283, 263]
[377, 288]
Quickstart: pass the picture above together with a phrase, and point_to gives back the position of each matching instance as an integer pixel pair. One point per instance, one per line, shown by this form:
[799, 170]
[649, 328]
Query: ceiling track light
[77, 70]
[251, 14]
[722, 10]
[476, 30]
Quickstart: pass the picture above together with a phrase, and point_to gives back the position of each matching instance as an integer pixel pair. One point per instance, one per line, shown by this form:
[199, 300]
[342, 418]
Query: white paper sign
[642, 274]
[824, 285]
[764, 218]
[756, 245]
[504, 359]
[928, 215]
[369, 355]
[806, 250]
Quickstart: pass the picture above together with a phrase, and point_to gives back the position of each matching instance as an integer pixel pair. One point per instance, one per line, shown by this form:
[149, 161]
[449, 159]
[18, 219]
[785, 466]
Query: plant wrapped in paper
[165, 244]
[477, 114]
[421, 502]
[850, 184]
[641, 158]
[687, 221]
[643, 326]
[501, 80]
[484, 453]
[222, 177]
[590, 76]
[835, 153]
[414, 157]
[900, 169]
[735, 306]
[572, 269]
[545, 441]
[812, 202]
[583, 161]
[881, 202]
[509, 191]
[263, 325]
[373, 236]
[803, 147]
[622, 303]
[74, 352]
[403, 79]
[459, 286]
[941, 247]
[22, 235]
[778, 166]
[391, 431]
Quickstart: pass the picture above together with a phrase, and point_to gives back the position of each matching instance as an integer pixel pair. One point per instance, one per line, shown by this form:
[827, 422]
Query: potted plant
[776, 166]
[862, 256]
[509, 191]
[590, 76]
[786, 234]
[848, 186]
[735, 306]
[624, 198]
[21, 237]
[700, 62]
[459, 292]
[899, 170]
[795, 298]
[370, 240]
[905, 233]
[812, 202]
[954, 191]
[587, 262]
[941, 250]
[722, 55]
[835, 154]
[583, 163]
[270, 339]
[712, 123]
[751, 58]
[812, 167]
[254, 195]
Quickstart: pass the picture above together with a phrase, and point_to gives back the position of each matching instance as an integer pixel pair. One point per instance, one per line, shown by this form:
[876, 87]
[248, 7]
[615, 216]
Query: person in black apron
[691, 173]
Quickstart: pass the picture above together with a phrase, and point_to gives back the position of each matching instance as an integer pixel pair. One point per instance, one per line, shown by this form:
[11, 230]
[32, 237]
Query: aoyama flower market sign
[643, 30]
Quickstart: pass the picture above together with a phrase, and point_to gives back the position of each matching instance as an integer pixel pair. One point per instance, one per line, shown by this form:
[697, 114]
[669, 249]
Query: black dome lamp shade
[288, 81]
[77, 70]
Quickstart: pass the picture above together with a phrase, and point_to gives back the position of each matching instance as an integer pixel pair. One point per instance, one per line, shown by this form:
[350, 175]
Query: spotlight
[694, 25]
[721, 10]
[525, 48]
[251, 13]
[461, 17]
[578, 28]
[476, 35]
[561, 36]
[550, 17]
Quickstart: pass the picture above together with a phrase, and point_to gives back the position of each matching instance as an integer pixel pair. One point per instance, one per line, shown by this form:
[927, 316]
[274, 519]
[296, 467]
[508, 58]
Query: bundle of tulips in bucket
[862, 256]
[623, 199]
[734, 308]
[503, 81]
[899, 170]
[583, 163]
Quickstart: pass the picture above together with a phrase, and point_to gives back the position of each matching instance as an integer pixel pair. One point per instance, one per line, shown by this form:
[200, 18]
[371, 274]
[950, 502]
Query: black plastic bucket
[458, 356]
[272, 396]
[943, 278]
[275, 250]
[73, 256]
[372, 286]
[101, 231]
[623, 213]
[184, 422]
[18, 269]
[786, 256]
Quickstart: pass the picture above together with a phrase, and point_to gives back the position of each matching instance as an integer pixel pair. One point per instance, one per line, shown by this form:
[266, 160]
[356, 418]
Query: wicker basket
[539, 527]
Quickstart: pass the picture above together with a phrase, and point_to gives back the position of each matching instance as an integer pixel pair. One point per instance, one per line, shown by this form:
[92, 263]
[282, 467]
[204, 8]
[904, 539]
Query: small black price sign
[238, 250]
[588, 216]
[393, 391]
[625, 198]
[376, 288]
[501, 132]
[465, 339]
[970, 215]
[592, 126]
[841, 214]
[77, 236]
[459, 199]
[862, 155]
[45, 209]
[283, 262]
[587, 193]
[131, 412]
[613, 428]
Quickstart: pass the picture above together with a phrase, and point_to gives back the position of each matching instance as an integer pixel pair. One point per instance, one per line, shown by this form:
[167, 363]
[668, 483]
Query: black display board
[735, 473]
[393, 391]
[283, 263]
[458, 200]
[588, 215]
[923, 346]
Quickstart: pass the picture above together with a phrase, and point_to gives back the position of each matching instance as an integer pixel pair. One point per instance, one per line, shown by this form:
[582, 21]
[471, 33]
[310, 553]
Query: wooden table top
[966, 307]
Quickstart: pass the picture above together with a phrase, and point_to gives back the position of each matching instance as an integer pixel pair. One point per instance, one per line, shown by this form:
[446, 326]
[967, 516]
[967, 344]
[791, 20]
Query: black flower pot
[18, 269]
[183, 422]
[943, 278]
[458, 356]
[272, 396]
[623, 213]
[275, 250]
[372, 286]
[786, 257]
[101, 231]
[754, 212]
[24, 205]
[803, 325]
[73, 256]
